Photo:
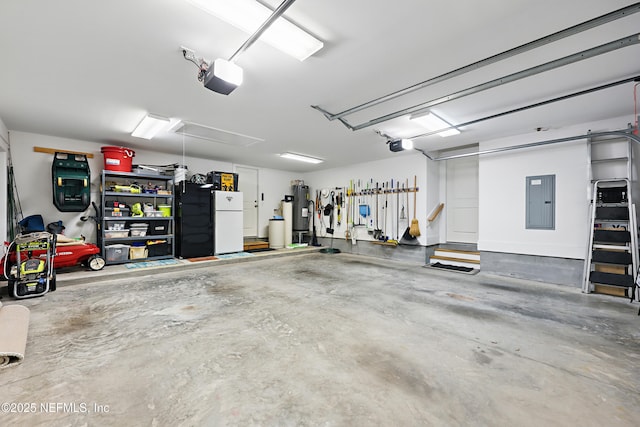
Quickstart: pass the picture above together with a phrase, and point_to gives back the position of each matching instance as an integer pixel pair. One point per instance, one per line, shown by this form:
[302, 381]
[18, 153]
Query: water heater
[300, 205]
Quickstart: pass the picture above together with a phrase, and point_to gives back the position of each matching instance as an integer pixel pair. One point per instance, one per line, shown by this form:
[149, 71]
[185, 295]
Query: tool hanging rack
[359, 193]
[382, 190]
[377, 189]
[374, 191]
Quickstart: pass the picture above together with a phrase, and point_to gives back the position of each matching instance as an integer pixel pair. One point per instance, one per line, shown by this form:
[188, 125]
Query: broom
[407, 238]
[414, 230]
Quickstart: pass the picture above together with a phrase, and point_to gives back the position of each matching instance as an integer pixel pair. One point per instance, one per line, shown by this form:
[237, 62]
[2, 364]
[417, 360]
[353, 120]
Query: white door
[248, 185]
[462, 200]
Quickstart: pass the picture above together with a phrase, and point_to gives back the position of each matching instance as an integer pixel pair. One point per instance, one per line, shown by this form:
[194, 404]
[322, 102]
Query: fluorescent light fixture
[248, 15]
[223, 76]
[431, 121]
[300, 158]
[150, 126]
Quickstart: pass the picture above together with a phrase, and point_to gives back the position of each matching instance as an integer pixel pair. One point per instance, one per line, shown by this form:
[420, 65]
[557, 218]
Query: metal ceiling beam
[548, 66]
[559, 35]
[530, 106]
[265, 25]
[626, 133]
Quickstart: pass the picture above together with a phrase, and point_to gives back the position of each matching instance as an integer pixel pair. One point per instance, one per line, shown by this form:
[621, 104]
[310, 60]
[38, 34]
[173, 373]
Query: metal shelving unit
[128, 198]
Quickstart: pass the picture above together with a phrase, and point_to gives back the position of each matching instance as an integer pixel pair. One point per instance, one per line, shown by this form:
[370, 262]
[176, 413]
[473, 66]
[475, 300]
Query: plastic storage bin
[117, 253]
[137, 252]
[158, 227]
[165, 209]
[115, 225]
[116, 211]
[138, 229]
[158, 248]
[116, 234]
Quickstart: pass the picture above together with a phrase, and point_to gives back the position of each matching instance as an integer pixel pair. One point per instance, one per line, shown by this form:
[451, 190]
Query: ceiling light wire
[202, 65]
[184, 163]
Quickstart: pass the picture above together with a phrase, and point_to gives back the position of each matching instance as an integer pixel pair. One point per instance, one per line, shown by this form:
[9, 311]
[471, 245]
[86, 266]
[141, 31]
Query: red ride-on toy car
[73, 252]
[68, 253]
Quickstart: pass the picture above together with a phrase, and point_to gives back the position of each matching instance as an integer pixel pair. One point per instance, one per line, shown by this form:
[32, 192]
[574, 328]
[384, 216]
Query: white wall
[399, 167]
[33, 177]
[501, 188]
[274, 185]
[4, 136]
[502, 193]
[436, 230]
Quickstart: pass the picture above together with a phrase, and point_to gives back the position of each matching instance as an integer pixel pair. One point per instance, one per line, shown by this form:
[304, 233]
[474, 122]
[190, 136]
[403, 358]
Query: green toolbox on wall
[71, 182]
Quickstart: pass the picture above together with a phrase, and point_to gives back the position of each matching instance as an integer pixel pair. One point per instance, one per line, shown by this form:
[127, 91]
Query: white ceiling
[90, 70]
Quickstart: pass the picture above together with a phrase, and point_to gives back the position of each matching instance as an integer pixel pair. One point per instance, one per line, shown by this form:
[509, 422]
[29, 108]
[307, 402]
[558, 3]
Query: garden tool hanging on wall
[328, 211]
[338, 206]
[365, 208]
[377, 232]
[407, 238]
[369, 198]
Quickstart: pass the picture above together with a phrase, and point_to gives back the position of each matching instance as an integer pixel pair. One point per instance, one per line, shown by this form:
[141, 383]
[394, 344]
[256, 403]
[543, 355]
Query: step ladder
[612, 260]
[611, 263]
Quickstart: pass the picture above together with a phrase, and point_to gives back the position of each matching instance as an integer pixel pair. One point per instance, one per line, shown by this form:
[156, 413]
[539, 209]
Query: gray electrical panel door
[541, 202]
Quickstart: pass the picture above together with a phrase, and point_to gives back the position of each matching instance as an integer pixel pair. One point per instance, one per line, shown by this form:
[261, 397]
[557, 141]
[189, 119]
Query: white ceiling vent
[207, 133]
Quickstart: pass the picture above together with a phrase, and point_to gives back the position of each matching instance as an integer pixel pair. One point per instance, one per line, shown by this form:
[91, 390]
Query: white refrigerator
[228, 222]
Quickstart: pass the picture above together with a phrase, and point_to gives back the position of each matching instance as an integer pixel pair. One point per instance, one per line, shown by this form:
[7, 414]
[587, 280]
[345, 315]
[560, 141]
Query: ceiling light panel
[432, 122]
[248, 15]
[150, 126]
[301, 158]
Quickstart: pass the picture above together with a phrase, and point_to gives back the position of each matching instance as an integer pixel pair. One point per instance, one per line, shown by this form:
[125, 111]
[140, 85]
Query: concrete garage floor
[331, 340]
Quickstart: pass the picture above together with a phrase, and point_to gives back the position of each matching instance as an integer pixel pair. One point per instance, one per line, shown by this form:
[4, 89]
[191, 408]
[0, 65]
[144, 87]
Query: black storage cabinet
[194, 222]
